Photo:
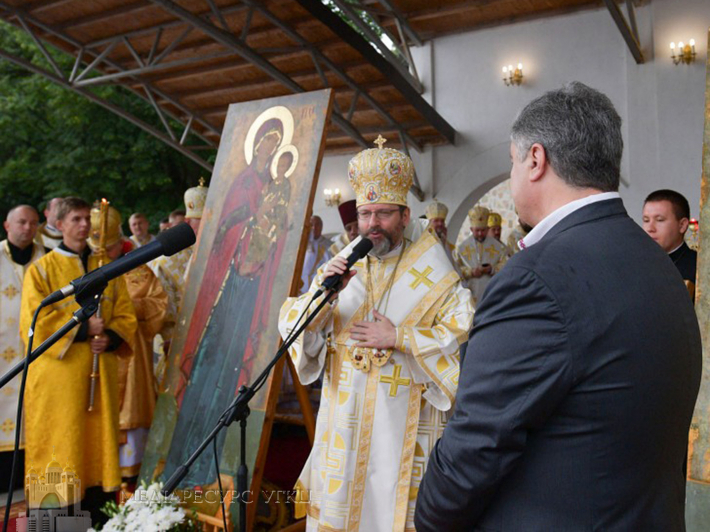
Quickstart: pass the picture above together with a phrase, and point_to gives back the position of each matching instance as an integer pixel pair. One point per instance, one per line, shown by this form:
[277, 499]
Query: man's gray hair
[580, 131]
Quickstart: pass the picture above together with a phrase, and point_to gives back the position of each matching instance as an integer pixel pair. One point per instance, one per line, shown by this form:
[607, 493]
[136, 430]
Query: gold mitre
[436, 210]
[381, 175]
[494, 219]
[195, 199]
[478, 217]
[114, 233]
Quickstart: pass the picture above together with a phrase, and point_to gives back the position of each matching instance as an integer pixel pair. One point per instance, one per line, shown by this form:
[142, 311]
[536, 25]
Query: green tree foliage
[55, 142]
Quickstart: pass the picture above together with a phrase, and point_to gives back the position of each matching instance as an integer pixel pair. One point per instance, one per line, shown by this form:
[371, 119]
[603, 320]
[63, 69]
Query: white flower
[147, 511]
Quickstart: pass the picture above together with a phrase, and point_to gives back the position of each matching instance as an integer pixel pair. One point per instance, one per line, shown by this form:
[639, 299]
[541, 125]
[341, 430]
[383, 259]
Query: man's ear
[537, 163]
[406, 215]
[58, 224]
[684, 224]
[6, 224]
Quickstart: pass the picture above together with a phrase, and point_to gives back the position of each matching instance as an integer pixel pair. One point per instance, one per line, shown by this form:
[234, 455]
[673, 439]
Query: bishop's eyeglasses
[382, 215]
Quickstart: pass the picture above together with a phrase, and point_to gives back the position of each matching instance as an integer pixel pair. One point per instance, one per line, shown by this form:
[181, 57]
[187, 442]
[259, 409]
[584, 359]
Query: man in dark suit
[583, 365]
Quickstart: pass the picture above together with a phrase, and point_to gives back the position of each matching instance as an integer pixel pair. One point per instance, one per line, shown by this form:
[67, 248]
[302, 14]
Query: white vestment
[11, 345]
[375, 429]
[472, 254]
[316, 255]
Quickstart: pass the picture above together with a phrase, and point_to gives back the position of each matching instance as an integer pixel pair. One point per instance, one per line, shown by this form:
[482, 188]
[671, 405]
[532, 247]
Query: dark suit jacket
[577, 390]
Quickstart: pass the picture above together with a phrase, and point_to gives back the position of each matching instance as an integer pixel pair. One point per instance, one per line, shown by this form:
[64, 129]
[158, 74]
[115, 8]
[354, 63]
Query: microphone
[361, 249]
[166, 243]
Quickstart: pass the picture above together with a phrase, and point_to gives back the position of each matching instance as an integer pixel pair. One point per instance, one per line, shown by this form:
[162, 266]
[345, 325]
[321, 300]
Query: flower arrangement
[148, 510]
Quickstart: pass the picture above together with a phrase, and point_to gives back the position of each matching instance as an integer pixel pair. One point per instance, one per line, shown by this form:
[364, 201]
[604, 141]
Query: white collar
[676, 249]
[555, 217]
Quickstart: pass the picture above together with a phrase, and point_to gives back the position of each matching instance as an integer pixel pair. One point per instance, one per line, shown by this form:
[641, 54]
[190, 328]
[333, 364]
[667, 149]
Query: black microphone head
[362, 248]
[178, 238]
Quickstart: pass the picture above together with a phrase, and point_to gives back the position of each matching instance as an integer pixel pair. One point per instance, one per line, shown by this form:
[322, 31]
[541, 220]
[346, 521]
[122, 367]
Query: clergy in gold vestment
[136, 381]
[57, 393]
[389, 346]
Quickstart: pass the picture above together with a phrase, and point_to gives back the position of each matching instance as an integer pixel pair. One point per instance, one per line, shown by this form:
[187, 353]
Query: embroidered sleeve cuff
[402, 343]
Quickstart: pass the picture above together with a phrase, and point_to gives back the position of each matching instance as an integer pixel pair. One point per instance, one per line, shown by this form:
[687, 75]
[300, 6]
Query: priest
[480, 256]
[136, 380]
[48, 235]
[57, 419]
[388, 348]
[17, 252]
[172, 271]
[348, 215]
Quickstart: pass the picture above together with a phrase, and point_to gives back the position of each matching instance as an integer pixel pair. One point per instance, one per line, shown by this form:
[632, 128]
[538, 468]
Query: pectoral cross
[421, 277]
[394, 380]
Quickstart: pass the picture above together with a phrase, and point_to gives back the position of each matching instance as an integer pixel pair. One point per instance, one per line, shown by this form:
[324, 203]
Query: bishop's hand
[380, 334]
[338, 266]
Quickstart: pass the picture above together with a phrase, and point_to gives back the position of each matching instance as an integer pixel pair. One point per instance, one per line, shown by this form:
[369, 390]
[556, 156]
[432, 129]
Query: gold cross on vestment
[421, 277]
[380, 141]
[9, 354]
[8, 426]
[10, 291]
[394, 381]
[491, 250]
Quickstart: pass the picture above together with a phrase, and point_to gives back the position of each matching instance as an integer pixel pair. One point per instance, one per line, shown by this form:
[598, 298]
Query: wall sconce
[332, 197]
[686, 53]
[513, 76]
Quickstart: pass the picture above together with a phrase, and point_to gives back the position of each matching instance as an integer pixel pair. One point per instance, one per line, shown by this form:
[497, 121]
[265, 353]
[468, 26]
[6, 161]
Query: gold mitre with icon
[494, 219]
[114, 233]
[478, 216]
[381, 175]
[195, 199]
[436, 210]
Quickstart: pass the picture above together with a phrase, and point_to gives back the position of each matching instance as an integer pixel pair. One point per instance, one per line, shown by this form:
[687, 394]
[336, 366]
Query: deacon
[578, 387]
[348, 215]
[436, 213]
[317, 253]
[57, 400]
[480, 256]
[138, 224]
[666, 217]
[48, 235]
[17, 252]
[136, 382]
[389, 350]
[172, 271]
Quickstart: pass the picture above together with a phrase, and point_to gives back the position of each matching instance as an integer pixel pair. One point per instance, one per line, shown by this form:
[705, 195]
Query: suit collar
[588, 213]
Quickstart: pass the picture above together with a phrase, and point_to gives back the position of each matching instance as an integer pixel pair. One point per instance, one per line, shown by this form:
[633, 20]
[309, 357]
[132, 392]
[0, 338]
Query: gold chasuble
[11, 350]
[136, 383]
[380, 412]
[171, 273]
[471, 254]
[57, 393]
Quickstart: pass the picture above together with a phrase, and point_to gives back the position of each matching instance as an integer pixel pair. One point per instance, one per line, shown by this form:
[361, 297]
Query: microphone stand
[238, 410]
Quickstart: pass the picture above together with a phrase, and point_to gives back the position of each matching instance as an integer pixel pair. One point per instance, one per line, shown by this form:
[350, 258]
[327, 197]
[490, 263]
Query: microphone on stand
[166, 243]
[360, 249]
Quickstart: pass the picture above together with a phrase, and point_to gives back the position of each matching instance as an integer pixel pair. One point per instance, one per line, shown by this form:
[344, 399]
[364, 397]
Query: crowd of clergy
[101, 437]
